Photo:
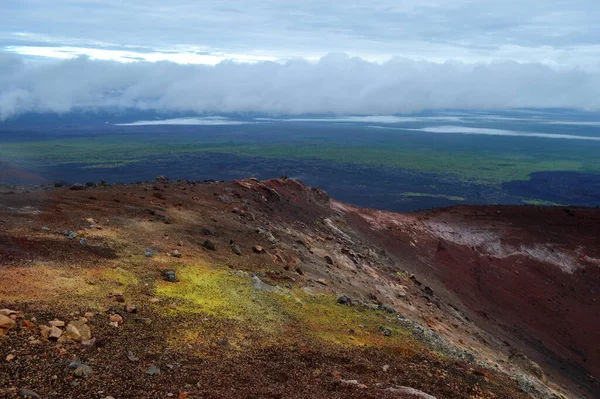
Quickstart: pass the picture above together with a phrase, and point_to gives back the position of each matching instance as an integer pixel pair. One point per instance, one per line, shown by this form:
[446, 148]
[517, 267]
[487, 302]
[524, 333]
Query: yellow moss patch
[323, 318]
[220, 294]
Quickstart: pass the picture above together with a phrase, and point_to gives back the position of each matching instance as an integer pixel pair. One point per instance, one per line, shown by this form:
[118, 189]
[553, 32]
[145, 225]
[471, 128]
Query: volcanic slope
[252, 289]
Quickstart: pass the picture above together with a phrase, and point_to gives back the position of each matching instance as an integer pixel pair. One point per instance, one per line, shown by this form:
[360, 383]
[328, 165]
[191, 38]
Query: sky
[295, 57]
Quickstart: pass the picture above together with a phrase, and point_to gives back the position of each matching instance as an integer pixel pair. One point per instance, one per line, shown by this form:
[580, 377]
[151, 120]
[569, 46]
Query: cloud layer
[336, 84]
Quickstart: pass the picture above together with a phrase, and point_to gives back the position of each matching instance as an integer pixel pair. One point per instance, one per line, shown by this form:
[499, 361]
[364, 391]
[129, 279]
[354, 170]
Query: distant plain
[398, 162]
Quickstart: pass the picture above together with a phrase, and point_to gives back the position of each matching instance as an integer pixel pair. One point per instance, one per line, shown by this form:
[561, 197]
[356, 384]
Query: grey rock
[81, 370]
[153, 370]
[132, 357]
[411, 392]
[235, 249]
[170, 275]
[387, 308]
[385, 331]
[29, 394]
[77, 187]
[261, 285]
[208, 244]
[345, 300]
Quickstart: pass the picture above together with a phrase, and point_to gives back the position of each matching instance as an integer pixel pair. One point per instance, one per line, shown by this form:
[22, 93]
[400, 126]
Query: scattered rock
[132, 357]
[520, 359]
[89, 315]
[208, 244]
[78, 331]
[55, 333]
[116, 318]
[129, 308]
[235, 249]
[385, 331]
[82, 241]
[410, 391]
[56, 323]
[71, 235]
[153, 370]
[29, 325]
[170, 275]
[29, 394]
[81, 370]
[258, 249]
[385, 368]
[261, 285]
[353, 383]
[175, 253]
[345, 300]
[387, 308]
[77, 187]
[6, 324]
[10, 357]
[328, 259]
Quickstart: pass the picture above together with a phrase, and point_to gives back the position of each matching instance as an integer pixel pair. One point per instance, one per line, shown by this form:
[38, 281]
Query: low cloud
[336, 84]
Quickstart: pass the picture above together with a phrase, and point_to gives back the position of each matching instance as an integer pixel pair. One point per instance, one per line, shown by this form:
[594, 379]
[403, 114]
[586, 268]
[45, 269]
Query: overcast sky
[402, 55]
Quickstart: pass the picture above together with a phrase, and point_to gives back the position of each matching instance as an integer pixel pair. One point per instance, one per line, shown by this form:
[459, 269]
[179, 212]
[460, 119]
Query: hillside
[250, 289]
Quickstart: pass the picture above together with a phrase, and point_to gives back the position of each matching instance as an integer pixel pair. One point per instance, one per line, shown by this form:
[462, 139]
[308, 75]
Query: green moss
[540, 202]
[448, 197]
[220, 294]
[322, 318]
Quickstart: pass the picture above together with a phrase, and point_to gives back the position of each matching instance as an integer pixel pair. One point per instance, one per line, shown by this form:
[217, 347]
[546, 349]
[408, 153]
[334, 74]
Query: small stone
[387, 308]
[116, 318]
[132, 357]
[10, 357]
[148, 254]
[208, 244]
[78, 331]
[89, 315]
[71, 235]
[29, 394]
[56, 323]
[82, 370]
[129, 308]
[328, 259]
[55, 333]
[322, 281]
[345, 300]
[175, 253]
[258, 249]
[6, 324]
[386, 367]
[113, 324]
[411, 392]
[153, 300]
[170, 275]
[235, 249]
[83, 241]
[385, 331]
[28, 325]
[153, 370]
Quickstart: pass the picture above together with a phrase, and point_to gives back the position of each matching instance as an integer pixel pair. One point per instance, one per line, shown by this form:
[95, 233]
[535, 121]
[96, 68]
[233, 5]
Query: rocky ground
[252, 289]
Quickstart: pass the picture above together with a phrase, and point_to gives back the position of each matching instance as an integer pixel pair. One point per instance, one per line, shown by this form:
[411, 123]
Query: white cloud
[336, 84]
[206, 121]
[499, 132]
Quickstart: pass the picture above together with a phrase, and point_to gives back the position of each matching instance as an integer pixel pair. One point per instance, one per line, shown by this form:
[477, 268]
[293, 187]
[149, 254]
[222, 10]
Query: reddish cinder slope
[528, 275]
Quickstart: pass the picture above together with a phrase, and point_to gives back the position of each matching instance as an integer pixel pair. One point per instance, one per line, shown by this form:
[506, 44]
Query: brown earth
[469, 286]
